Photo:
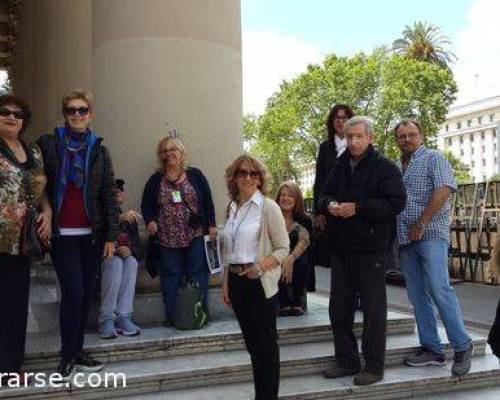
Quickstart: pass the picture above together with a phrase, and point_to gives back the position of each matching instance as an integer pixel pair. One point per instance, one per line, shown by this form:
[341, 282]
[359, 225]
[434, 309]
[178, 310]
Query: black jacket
[327, 156]
[132, 231]
[376, 186]
[494, 335]
[99, 189]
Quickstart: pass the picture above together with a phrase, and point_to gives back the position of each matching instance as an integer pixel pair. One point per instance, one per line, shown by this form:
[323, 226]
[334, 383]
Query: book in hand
[212, 252]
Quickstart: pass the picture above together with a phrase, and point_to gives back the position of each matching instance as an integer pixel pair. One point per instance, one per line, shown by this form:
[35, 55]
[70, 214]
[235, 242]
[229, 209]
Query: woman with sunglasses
[22, 184]
[81, 188]
[178, 210]
[255, 241]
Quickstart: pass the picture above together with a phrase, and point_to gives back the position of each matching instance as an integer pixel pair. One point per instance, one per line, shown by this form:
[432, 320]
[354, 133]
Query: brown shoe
[338, 372]
[367, 378]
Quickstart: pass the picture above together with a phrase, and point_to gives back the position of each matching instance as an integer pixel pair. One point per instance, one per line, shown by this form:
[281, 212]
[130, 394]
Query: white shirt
[340, 144]
[241, 232]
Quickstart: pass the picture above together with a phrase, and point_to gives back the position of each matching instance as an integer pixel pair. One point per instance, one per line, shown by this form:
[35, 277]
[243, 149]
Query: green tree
[383, 85]
[426, 42]
[460, 170]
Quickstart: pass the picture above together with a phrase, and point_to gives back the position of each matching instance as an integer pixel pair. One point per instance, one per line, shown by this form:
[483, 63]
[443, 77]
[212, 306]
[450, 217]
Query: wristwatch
[259, 269]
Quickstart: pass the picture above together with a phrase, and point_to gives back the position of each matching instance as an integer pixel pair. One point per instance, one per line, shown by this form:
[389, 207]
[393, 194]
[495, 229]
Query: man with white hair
[361, 198]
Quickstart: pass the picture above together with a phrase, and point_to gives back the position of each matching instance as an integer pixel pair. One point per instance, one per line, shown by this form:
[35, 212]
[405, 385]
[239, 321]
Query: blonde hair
[264, 178]
[80, 94]
[170, 142]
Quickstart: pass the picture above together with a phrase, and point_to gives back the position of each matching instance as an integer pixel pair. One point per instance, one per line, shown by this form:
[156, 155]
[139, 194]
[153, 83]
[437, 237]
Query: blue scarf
[73, 161]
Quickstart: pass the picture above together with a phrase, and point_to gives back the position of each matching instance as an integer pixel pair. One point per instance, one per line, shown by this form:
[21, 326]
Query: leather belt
[239, 268]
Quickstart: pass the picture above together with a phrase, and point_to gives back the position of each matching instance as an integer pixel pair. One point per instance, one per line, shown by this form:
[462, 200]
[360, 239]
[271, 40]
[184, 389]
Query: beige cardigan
[273, 241]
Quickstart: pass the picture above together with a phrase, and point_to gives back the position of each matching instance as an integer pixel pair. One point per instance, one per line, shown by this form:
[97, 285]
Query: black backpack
[189, 313]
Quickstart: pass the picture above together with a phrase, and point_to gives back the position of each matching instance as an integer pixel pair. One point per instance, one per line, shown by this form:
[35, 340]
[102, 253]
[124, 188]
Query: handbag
[30, 245]
[189, 313]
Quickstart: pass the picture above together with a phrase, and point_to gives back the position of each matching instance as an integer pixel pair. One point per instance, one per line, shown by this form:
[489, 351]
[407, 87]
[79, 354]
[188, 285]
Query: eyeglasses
[83, 111]
[243, 173]
[5, 112]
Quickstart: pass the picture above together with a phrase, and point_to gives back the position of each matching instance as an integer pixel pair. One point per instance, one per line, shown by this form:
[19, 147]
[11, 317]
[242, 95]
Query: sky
[281, 37]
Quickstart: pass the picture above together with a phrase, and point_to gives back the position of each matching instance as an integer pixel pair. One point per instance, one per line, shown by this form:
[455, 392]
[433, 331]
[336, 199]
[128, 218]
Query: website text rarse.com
[78, 380]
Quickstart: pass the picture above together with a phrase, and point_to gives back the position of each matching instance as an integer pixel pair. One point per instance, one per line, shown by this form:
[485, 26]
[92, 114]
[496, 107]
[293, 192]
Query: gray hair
[358, 119]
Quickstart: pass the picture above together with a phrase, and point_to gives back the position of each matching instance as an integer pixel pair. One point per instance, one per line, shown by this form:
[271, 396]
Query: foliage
[460, 170]
[424, 41]
[383, 85]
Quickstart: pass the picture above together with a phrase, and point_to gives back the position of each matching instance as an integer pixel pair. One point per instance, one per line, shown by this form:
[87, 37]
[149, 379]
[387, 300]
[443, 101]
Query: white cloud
[478, 49]
[268, 59]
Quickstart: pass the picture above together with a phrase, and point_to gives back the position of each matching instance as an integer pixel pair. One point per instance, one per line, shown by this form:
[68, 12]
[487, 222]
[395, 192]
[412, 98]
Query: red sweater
[72, 213]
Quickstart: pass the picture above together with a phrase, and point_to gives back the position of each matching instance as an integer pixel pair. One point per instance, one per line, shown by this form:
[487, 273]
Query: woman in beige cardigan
[255, 242]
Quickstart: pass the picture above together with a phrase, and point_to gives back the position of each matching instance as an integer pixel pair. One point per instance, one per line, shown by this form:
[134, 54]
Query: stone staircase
[163, 363]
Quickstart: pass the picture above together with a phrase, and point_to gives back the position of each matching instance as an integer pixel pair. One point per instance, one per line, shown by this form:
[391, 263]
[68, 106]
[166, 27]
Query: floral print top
[13, 196]
[173, 228]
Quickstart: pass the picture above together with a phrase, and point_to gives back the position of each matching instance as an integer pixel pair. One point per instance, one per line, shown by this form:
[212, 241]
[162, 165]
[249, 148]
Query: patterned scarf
[73, 162]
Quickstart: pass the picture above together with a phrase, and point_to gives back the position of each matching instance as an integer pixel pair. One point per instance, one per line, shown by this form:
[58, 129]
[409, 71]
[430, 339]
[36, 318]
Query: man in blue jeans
[423, 234]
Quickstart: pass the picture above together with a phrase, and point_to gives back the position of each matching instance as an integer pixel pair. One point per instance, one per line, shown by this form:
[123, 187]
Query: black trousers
[75, 259]
[257, 318]
[14, 296]
[290, 294]
[362, 273]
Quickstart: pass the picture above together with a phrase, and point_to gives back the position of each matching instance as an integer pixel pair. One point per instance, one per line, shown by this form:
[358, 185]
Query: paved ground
[478, 301]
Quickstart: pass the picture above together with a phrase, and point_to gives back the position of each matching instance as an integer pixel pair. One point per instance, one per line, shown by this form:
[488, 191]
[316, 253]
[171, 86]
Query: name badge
[176, 196]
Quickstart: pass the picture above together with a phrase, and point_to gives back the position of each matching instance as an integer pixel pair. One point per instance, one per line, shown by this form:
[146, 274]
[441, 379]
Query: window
[469, 123]
[496, 162]
[461, 140]
[461, 152]
[492, 117]
[484, 162]
[446, 127]
[472, 164]
[479, 120]
[483, 149]
[482, 135]
[494, 132]
[484, 178]
[471, 137]
[449, 142]
[459, 125]
[472, 150]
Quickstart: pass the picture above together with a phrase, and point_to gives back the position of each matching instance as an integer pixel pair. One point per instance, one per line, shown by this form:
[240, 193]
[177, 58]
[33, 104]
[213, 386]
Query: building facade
[470, 133]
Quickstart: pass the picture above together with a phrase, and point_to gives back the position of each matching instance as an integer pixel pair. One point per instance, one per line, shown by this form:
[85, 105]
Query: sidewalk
[478, 301]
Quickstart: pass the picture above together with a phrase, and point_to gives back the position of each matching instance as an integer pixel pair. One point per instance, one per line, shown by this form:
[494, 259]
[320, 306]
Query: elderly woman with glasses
[255, 241]
[178, 210]
[81, 188]
[22, 183]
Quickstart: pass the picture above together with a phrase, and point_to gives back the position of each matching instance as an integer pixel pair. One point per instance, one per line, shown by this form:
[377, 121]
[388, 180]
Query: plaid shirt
[427, 171]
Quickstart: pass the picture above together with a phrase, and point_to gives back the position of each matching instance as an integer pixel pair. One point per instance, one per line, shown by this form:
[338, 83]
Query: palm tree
[424, 41]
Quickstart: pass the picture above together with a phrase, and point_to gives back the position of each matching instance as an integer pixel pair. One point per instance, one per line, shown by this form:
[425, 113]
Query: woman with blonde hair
[178, 210]
[255, 241]
[81, 187]
[296, 266]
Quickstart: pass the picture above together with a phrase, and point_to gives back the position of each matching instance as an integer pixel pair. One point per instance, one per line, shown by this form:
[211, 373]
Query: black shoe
[339, 372]
[85, 363]
[367, 378]
[66, 368]
[462, 361]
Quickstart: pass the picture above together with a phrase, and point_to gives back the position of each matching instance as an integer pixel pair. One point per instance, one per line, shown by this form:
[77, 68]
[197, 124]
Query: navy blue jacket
[149, 204]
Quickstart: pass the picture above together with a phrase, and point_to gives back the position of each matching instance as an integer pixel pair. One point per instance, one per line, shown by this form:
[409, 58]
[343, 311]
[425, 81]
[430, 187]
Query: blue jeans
[176, 263]
[425, 267]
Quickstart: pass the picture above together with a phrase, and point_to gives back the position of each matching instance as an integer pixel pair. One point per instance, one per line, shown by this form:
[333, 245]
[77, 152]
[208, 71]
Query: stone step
[217, 370]
[400, 382]
[487, 393]
[42, 350]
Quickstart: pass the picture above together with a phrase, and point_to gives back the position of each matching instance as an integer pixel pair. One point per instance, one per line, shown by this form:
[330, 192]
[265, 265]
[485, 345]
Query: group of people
[364, 204]
[68, 177]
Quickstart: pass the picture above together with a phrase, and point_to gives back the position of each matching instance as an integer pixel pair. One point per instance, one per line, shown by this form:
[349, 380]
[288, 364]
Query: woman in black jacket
[178, 210]
[329, 151]
[81, 188]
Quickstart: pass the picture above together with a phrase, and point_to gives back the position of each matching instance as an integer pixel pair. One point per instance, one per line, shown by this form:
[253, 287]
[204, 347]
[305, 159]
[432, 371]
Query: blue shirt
[427, 171]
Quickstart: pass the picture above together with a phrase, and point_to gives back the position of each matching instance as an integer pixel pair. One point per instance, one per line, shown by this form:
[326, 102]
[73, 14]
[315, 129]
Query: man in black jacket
[361, 198]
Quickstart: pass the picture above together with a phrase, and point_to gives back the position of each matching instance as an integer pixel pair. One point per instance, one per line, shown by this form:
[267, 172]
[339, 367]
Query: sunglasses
[243, 173]
[73, 110]
[5, 112]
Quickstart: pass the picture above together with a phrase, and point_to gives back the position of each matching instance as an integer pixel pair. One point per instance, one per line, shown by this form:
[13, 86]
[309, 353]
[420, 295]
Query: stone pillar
[53, 55]
[161, 65]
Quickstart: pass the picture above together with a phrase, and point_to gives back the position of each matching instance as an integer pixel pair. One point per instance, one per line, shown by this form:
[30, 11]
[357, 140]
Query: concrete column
[53, 55]
[160, 65]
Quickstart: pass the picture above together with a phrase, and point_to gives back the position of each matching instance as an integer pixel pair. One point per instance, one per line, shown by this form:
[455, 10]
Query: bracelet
[259, 269]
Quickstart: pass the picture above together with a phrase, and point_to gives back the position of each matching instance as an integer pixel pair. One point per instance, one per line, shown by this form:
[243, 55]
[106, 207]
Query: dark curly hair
[12, 99]
[333, 113]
